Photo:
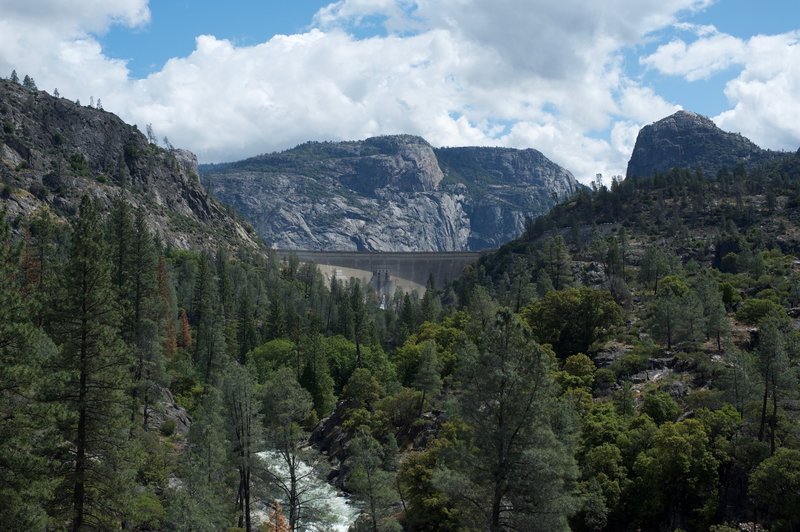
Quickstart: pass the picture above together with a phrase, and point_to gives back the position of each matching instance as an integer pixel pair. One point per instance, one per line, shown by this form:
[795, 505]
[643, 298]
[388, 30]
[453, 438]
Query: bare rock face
[688, 140]
[392, 193]
[53, 151]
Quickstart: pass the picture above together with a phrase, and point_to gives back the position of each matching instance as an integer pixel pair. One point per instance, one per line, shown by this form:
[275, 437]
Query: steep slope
[688, 140]
[391, 193]
[505, 186]
[53, 151]
[700, 219]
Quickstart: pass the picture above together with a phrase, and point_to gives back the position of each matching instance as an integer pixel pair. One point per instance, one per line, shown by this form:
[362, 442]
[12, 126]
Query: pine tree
[369, 480]
[777, 375]
[557, 262]
[14, 77]
[95, 393]
[360, 319]
[185, 332]
[28, 83]
[144, 324]
[27, 423]
[518, 472]
[316, 377]
[39, 266]
[243, 410]
[427, 379]
[120, 236]
[169, 310]
[655, 264]
[209, 342]
[203, 503]
[247, 333]
[286, 406]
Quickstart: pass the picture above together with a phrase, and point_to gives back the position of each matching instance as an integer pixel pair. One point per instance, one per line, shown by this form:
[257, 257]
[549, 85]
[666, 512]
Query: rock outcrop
[53, 151]
[391, 193]
[689, 140]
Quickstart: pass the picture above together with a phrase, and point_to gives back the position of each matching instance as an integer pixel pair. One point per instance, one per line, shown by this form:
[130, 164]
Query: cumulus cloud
[522, 73]
[711, 53]
[516, 73]
[763, 96]
[53, 41]
[67, 17]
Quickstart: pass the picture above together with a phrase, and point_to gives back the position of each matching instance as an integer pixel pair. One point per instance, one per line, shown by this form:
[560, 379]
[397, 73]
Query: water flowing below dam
[323, 507]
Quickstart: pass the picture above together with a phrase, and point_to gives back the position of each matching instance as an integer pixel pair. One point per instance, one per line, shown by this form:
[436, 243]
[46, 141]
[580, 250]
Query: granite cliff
[53, 151]
[689, 140]
[390, 193]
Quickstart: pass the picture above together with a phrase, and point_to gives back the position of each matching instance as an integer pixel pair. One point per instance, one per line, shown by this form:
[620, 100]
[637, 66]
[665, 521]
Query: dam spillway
[416, 267]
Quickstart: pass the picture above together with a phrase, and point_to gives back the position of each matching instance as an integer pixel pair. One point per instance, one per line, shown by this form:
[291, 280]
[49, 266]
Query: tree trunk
[773, 421]
[247, 525]
[79, 491]
[240, 498]
[372, 508]
[763, 411]
[497, 500]
[146, 409]
[293, 502]
[669, 335]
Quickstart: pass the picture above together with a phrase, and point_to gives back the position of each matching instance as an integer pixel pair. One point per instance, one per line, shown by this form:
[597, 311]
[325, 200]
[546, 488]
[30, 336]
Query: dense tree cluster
[634, 375]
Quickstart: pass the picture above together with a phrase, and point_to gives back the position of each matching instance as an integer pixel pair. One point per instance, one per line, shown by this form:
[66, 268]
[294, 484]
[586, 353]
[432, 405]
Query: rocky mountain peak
[402, 162]
[54, 151]
[690, 140]
[391, 193]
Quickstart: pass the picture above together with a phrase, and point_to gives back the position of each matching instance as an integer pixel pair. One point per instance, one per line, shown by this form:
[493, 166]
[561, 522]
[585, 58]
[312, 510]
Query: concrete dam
[389, 270]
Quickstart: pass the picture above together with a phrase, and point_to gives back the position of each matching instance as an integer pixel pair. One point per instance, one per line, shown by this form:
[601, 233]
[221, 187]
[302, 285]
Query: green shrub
[660, 407]
[604, 378]
[79, 164]
[167, 428]
[754, 310]
[629, 364]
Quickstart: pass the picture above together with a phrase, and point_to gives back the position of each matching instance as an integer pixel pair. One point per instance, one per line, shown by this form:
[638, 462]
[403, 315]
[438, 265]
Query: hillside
[691, 141]
[676, 296]
[53, 151]
[392, 193]
[632, 362]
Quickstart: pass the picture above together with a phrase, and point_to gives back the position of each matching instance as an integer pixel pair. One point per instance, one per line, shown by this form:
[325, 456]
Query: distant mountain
[689, 140]
[53, 151]
[390, 193]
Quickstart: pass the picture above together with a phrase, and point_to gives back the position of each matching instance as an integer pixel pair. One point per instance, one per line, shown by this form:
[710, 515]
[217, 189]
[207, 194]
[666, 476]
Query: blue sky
[175, 24]
[575, 79]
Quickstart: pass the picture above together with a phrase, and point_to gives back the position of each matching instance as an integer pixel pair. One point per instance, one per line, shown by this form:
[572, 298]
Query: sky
[575, 79]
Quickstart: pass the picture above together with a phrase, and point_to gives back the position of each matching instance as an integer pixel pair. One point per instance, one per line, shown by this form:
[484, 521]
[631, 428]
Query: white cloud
[643, 105]
[764, 97]
[546, 72]
[52, 41]
[68, 17]
[764, 94]
[711, 53]
[522, 73]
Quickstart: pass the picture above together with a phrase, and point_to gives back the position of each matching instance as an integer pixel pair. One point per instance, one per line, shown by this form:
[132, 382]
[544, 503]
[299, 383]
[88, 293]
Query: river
[336, 509]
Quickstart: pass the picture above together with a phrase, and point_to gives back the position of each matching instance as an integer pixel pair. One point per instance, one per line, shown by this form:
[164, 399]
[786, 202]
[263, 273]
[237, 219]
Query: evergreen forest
[629, 363]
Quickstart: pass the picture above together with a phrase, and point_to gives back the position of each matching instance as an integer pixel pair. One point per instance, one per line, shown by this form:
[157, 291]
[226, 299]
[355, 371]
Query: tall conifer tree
[97, 363]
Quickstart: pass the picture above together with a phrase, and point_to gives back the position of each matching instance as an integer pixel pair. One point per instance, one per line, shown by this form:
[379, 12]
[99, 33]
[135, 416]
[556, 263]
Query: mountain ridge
[689, 140]
[390, 193]
[53, 151]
